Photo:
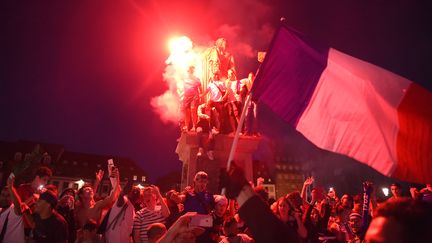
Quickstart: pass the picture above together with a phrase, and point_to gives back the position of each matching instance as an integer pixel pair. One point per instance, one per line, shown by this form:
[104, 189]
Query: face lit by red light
[395, 190]
[231, 75]
[87, 193]
[283, 208]
[200, 184]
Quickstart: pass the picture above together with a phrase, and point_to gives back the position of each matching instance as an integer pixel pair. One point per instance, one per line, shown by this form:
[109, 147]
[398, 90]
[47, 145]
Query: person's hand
[367, 187]
[66, 200]
[25, 208]
[99, 175]
[309, 181]
[10, 181]
[115, 173]
[182, 229]
[260, 181]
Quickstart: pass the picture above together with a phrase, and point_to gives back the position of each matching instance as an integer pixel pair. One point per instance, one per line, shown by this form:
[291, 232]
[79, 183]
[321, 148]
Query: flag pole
[237, 134]
[239, 128]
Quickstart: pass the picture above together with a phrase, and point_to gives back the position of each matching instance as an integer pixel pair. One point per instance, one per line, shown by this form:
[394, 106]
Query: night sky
[82, 73]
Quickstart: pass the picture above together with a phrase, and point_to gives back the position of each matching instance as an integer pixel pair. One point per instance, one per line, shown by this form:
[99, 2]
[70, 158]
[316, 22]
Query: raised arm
[126, 189]
[264, 225]
[180, 227]
[367, 190]
[109, 201]
[164, 208]
[98, 178]
[16, 200]
[309, 181]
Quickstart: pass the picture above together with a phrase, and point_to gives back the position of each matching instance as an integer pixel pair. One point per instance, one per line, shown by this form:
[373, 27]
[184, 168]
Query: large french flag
[348, 106]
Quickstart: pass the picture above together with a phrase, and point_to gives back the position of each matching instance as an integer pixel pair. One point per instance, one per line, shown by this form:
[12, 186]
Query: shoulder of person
[59, 217]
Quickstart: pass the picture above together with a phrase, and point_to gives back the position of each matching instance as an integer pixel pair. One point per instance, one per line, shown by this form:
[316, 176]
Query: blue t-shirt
[200, 202]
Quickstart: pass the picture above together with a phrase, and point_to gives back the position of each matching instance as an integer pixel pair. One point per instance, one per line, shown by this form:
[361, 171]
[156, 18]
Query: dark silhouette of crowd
[37, 212]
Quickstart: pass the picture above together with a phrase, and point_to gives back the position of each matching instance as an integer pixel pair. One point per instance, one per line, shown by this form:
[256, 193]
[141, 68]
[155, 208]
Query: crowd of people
[217, 109]
[37, 212]
[214, 105]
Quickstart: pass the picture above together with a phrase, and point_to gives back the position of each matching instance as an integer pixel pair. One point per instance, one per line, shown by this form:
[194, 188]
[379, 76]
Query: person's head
[396, 189]
[46, 203]
[134, 195]
[173, 196]
[401, 220]
[41, 177]
[191, 69]
[317, 194]
[230, 227]
[221, 44]
[295, 199]
[221, 203]
[282, 208]
[347, 201]
[355, 222]
[155, 231]
[332, 193]
[89, 229]
[5, 199]
[149, 197]
[68, 191]
[200, 181]
[85, 193]
[216, 76]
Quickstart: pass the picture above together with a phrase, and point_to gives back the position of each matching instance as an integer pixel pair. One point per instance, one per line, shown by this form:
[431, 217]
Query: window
[135, 177]
[143, 178]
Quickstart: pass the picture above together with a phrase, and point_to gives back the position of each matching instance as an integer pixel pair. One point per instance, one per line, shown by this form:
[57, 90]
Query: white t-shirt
[215, 93]
[121, 230]
[15, 226]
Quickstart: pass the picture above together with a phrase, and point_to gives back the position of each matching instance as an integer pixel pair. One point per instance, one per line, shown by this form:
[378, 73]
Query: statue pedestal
[187, 149]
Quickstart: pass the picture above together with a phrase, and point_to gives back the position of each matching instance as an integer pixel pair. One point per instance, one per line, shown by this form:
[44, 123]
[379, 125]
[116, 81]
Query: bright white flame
[140, 186]
[182, 54]
[80, 183]
[180, 44]
[385, 190]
